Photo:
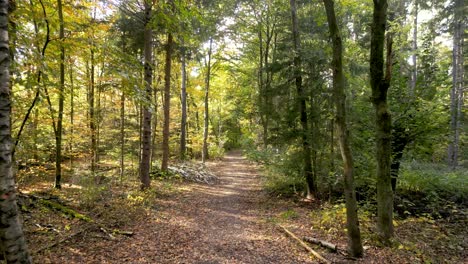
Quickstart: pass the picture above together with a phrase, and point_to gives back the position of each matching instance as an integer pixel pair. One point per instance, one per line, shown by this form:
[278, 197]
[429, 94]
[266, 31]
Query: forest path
[231, 222]
[221, 223]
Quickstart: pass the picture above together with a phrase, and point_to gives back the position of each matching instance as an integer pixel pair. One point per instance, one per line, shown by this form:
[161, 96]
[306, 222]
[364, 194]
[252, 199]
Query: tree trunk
[414, 69]
[205, 155]
[92, 117]
[380, 86]
[12, 241]
[311, 189]
[167, 103]
[146, 122]
[456, 93]
[122, 133]
[183, 99]
[352, 221]
[58, 134]
[72, 114]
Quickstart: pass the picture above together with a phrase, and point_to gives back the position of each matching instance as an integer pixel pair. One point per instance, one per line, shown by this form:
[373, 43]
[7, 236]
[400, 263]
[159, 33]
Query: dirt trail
[222, 223]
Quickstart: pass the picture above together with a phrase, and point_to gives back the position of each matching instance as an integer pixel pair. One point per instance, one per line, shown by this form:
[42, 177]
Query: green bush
[430, 189]
[283, 177]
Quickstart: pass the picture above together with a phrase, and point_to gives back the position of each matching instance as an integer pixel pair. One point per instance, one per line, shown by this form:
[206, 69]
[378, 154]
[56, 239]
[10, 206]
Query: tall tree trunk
[205, 155]
[456, 93]
[380, 86]
[167, 103]
[261, 86]
[59, 132]
[414, 69]
[122, 133]
[183, 101]
[352, 221]
[146, 137]
[12, 241]
[155, 123]
[72, 113]
[92, 114]
[308, 173]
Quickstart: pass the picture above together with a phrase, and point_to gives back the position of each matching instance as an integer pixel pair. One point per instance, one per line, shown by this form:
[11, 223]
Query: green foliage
[65, 210]
[432, 190]
[144, 198]
[282, 171]
[157, 174]
[92, 193]
[289, 214]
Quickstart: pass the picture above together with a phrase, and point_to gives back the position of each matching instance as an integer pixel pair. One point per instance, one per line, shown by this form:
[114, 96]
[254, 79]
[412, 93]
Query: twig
[302, 243]
[62, 240]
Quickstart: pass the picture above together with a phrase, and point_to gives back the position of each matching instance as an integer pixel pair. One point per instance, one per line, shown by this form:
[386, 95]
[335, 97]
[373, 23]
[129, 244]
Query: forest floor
[232, 221]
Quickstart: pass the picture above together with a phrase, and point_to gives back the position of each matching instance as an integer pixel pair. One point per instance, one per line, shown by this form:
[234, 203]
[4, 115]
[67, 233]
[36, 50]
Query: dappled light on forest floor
[232, 221]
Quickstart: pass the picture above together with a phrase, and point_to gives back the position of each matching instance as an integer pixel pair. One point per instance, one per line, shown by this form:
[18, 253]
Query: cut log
[303, 244]
[322, 243]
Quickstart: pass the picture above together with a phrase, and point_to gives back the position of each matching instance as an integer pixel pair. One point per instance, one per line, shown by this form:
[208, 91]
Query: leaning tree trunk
[311, 189]
[207, 92]
[12, 242]
[146, 122]
[352, 221]
[380, 86]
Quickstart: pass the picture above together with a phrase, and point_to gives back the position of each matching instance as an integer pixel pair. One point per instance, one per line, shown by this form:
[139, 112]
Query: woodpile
[194, 172]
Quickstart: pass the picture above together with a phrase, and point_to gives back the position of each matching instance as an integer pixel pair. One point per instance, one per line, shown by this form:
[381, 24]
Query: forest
[235, 131]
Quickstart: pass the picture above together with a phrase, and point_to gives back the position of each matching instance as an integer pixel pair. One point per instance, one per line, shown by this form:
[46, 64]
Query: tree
[59, 132]
[456, 93]
[380, 84]
[12, 241]
[301, 101]
[354, 234]
[205, 155]
[167, 102]
[183, 104]
[146, 137]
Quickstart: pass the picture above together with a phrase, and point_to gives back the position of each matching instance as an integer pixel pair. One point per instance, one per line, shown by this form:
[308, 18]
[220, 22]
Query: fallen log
[303, 244]
[322, 243]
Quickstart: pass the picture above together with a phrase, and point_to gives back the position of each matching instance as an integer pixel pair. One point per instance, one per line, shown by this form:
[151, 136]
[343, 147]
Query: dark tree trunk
[400, 139]
[167, 103]
[380, 85]
[311, 189]
[59, 132]
[146, 122]
[12, 242]
[352, 221]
